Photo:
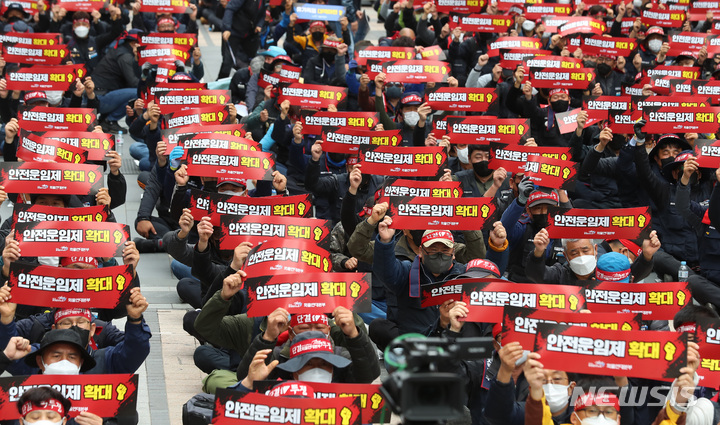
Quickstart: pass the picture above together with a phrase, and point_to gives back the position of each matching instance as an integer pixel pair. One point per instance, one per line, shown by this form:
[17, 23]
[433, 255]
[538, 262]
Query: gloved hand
[146, 69]
[525, 188]
[175, 157]
[637, 128]
[179, 66]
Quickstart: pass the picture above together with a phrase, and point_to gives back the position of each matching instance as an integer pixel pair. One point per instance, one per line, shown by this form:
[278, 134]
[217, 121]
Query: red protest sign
[708, 153]
[231, 163]
[662, 18]
[51, 178]
[278, 256]
[598, 107]
[383, 53]
[410, 71]
[567, 121]
[622, 121]
[520, 324]
[44, 77]
[653, 355]
[538, 11]
[549, 61]
[234, 407]
[311, 96]
[30, 7]
[692, 72]
[71, 239]
[706, 88]
[442, 213]
[32, 148]
[551, 172]
[256, 229]
[682, 120]
[165, 6]
[81, 5]
[686, 41]
[510, 58]
[709, 372]
[584, 25]
[608, 46]
[95, 144]
[420, 189]
[617, 223]
[513, 43]
[186, 99]
[23, 213]
[180, 39]
[272, 79]
[707, 336]
[461, 99]
[172, 135]
[420, 161]
[553, 23]
[486, 129]
[655, 301]
[314, 121]
[313, 293]
[157, 54]
[214, 205]
[578, 78]
[486, 298]
[32, 54]
[216, 141]
[149, 92]
[372, 401]
[348, 141]
[107, 396]
[713, 46]
[35, 39]
[513, 157]
[44, 118]
[211, 114]
[460, 6]
[481, 23]
[47, 286]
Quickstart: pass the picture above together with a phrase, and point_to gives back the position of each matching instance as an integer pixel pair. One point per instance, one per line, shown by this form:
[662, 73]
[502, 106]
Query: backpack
[198, 410]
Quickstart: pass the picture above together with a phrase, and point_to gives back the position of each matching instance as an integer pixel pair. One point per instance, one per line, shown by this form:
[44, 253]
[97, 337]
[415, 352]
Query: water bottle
[683, 272]
[119, 143]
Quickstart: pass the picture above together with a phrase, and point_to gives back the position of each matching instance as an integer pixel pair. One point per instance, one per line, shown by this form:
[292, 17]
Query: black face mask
[560, 106]
[365, 180]
[328, 57]
[603, 69]
[268, 67]
[617, 142]
[318, 37]
[481, 168]
[84, 334]
[539, 221]
[666, 161]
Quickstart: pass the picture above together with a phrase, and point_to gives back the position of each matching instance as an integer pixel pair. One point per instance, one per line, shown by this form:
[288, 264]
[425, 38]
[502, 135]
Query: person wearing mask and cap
[87, 49]
[481, 180]
[653, 50]
[47, 406]
[435, 262]
[411, 115]
[254, 96]
[528, 28]
[610, 77]
[310, 44]
[523, 218]
[14, 19]
[327, 68]
[116, 81]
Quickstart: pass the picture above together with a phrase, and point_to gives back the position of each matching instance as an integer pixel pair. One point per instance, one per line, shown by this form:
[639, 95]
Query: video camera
[425, 386]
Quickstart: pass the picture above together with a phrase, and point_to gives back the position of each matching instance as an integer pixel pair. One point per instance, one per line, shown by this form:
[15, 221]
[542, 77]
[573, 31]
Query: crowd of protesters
[617, 169]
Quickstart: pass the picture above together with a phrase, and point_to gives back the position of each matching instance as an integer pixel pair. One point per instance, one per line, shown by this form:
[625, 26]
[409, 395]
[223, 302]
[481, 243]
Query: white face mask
[637, 3]
[556, 396]
[598, 420]
[54, 97]
[49, 261]
[82, 31]
[63, 367]
[462, 155]
[655, 45]
[43, 422]
[316, 375]
[231, 193]
[583, 265]
[411, 118]
[563, 1]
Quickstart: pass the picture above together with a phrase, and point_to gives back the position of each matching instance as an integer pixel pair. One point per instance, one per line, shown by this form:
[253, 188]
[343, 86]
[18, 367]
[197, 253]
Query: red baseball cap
[430, 237]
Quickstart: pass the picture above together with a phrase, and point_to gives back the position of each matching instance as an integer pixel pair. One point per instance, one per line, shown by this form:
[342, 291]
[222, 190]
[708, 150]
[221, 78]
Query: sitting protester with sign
[235, 332]
[48, 405]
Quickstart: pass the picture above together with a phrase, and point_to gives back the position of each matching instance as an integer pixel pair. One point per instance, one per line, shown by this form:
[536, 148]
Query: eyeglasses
[556, 381]
[607, 411]
[446, 251]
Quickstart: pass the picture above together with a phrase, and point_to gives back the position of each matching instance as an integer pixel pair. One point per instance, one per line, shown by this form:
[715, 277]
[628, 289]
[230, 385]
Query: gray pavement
[168, 378]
